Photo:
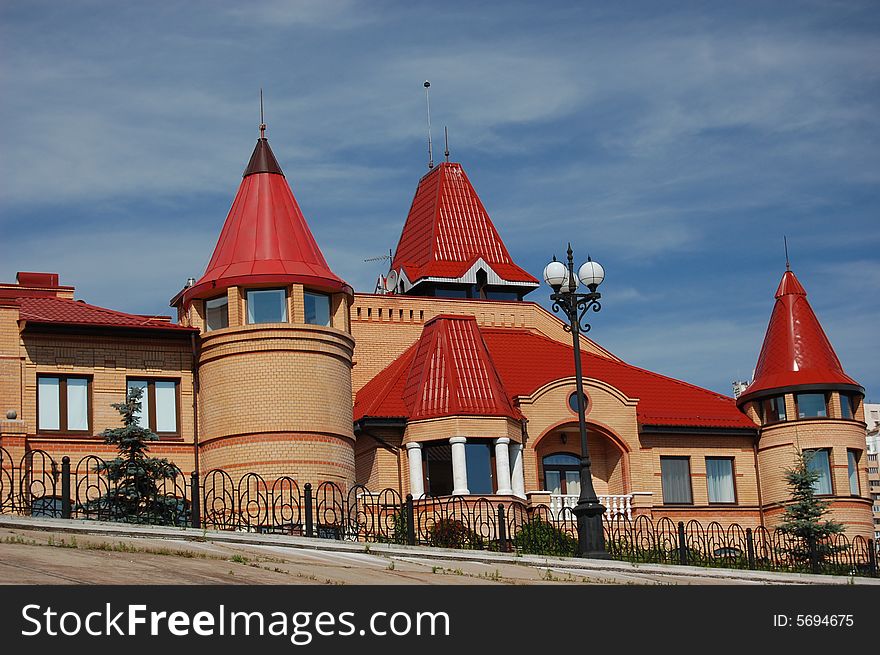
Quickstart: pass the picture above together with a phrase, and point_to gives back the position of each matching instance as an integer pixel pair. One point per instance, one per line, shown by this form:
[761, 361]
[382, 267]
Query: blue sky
[674, 142]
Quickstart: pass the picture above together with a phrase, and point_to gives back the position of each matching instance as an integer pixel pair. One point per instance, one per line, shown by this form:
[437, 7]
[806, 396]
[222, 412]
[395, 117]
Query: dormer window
[317, 308]
[217, 313]
[774, 409]
[811, 405]
[267, 306]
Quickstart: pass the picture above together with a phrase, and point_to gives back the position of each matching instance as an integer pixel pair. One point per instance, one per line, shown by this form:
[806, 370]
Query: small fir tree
[811, 536]
[135, 479]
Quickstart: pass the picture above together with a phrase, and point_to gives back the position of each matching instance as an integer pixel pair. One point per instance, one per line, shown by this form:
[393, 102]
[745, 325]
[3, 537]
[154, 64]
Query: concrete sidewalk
[58, 551]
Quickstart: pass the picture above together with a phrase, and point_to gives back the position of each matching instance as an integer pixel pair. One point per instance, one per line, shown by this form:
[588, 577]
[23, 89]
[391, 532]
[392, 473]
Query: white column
[502, 466]
[416, 478]
[459, 466]
[517, 480]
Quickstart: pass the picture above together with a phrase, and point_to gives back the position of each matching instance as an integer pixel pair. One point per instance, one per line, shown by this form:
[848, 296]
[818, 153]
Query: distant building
[449, 383]
[872, 418]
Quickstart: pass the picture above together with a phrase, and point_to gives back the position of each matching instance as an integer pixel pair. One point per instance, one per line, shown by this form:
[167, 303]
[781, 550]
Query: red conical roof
[447, 372]
[265, 239]
[448, 230]
[796, 351]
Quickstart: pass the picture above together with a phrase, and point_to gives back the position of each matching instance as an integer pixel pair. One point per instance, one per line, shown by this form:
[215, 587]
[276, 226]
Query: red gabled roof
[448, 230]
[447, 372]
[265, 239]
[526, 361]
[795, 350]
[63, 311]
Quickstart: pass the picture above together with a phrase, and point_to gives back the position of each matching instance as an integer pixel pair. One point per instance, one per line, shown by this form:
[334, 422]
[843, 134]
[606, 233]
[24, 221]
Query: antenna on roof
[380, 258]
[787, 263]
[428, 105]
[262, 122]
[446, 135]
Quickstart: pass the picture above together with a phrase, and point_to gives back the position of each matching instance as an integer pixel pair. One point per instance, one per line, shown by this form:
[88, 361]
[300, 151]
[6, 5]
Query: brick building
[448, 382]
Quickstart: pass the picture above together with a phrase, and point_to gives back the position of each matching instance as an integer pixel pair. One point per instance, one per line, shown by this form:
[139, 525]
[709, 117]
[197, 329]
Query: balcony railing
[615, 504]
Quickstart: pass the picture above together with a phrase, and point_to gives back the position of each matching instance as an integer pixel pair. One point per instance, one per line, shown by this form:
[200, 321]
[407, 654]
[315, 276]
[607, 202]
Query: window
[719, 480]
[675, 476]
[158, 405]
[267, 306]
[573, 403]
[811, 405]
[774, 409]
[317, 307]
[451, 293]
[64, 404]
[562, 474]
[478, 456]
[438, 469]
[217, 313]
[819, 462]
[846, 406]
[502, 295]
[852, 461]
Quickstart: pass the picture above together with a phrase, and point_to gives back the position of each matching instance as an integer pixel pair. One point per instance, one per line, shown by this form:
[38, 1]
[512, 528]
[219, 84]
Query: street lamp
[565, 297]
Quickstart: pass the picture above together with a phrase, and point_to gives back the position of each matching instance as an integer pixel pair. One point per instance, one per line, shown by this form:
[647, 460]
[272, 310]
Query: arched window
[562, 474]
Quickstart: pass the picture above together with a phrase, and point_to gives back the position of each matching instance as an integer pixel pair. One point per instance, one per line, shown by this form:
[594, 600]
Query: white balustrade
[615, 504]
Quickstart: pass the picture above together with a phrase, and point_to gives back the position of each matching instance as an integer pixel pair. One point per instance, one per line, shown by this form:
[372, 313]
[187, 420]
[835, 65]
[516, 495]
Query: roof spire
[446, 135]
[787, 263]
[262, 122]
[428, 105]
[796, 350]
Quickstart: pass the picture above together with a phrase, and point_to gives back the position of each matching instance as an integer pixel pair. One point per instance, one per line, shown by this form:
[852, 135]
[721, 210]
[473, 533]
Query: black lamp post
[565, 297]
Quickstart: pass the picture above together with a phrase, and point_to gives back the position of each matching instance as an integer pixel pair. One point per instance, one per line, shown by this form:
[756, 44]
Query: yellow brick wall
[303, 456]
[275, 399]
[109, 360]
[777, 450]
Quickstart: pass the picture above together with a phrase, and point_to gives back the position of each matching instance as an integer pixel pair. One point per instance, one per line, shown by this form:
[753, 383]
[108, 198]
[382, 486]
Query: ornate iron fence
[38, 486]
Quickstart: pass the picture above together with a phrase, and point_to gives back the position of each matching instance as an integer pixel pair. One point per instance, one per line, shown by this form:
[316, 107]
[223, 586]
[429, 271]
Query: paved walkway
[57, 551]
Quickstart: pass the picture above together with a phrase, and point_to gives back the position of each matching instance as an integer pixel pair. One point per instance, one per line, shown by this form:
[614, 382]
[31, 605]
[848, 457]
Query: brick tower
[803, 400]
[275, 349]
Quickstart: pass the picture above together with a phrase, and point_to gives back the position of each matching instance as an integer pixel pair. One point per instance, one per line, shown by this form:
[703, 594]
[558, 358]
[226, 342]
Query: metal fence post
[410, 521]
[750, 548]
[195, 497]
[310, 524]
[872, 556]
[814, 556]
[682, 545]
[502, 530]
[65, 487]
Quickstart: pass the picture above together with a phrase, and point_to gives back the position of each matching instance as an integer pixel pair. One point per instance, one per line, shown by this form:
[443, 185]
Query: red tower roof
[796, 351]
[448, 230]
[265, 239]
[447, 372]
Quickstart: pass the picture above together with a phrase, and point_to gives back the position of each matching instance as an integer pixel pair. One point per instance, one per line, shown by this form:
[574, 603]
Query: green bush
[539, 537]
[452, 533]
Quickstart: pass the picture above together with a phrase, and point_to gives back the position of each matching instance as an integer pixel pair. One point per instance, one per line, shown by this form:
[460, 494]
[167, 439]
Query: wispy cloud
[675, 144]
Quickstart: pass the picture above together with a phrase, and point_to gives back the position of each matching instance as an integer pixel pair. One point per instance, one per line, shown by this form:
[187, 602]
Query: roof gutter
[692, 429]
[361, 425]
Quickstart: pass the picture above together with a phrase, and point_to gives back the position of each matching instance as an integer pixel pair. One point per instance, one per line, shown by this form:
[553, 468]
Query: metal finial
[787, 263]
[262, 121]
[446, 135]
[428, 105]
